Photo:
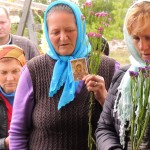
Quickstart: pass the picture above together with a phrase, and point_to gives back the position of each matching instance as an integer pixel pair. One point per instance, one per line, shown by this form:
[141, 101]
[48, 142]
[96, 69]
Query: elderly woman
[54, 108]
[113, 131]
[12, 60]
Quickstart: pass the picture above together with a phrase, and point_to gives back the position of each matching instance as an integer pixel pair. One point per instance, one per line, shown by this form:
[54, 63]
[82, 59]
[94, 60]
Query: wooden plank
[18, 5]
[24, 17]
[30, 25]
[34, 5]
[11, 5]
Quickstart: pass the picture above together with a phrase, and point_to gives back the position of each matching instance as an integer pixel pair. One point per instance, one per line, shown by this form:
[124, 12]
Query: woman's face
[78, 68]
[62, 31]
[9, 75]
[141, 41]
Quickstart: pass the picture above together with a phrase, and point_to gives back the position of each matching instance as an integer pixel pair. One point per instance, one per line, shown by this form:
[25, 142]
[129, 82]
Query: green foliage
[99, 5]
[14, 28]
[117, 10]
[118, 14]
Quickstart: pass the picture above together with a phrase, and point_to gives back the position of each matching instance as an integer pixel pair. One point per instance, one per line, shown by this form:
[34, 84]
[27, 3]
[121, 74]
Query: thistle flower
[88, 4]
[147, 62]
[133, 74]
[140, 98]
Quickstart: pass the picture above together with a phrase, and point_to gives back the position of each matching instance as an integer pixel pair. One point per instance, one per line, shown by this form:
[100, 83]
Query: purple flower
[89, 4]
[98, 35]
[101, 14]
[146, 75]
[100, 29]
[107, 24]
[83, 5]
[96, 14]
[109, 19]
[94, 34]
[147, 67]
[91, 12]
[90, 34]
[133, 74]
[142, 69]
[147, 62]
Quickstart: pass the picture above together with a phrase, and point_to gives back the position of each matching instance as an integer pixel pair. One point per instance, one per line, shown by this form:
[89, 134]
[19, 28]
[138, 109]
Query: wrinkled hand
[6, 141]
[96, 84]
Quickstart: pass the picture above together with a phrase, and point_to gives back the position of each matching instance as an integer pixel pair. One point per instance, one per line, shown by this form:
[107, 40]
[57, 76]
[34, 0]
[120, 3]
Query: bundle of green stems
[140, 98]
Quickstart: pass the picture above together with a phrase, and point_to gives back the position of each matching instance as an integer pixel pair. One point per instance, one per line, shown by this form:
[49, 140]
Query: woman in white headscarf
[112, 132]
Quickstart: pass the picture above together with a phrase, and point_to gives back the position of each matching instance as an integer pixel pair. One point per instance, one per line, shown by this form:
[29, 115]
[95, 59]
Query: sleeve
[33, 50]
[2, 145]
[107, 136]
[117, 66]
[22, 112]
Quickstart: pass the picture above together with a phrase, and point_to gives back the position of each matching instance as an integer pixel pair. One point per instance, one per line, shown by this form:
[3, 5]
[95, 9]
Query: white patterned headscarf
[123, 107]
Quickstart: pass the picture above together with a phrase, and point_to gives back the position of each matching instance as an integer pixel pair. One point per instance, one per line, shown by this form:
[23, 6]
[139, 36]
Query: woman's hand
[96, 84]
[6, 141]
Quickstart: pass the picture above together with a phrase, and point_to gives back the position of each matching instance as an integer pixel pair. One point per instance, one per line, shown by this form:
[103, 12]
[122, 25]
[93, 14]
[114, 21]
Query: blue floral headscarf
[123, 107]
[62, 74]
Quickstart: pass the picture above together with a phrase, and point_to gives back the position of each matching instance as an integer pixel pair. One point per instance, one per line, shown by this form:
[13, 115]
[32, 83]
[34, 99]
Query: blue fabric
[8, 96]
[62, 73]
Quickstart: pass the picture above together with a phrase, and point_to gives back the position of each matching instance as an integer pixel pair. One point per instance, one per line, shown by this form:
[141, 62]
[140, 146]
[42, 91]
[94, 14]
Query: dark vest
[67, 128]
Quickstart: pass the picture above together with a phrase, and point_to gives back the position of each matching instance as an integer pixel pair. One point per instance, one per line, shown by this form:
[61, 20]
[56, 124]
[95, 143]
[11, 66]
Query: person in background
[53, 110]
[112, 132]
[6, 38]
[12, 60]
[105, 47]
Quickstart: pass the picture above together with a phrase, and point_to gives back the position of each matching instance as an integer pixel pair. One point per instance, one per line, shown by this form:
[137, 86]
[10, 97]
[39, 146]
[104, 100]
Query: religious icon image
[79, 68]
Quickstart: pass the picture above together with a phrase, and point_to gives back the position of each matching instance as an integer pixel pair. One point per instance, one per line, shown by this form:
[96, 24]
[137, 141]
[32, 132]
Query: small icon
[79, 68]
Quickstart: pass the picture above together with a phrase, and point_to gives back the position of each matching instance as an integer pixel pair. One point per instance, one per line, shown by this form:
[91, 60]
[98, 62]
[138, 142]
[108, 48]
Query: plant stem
[91, 141]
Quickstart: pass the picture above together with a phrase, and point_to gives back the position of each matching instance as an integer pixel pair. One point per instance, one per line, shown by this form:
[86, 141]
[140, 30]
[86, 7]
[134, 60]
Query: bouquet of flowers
[96, 23]
[140, 98]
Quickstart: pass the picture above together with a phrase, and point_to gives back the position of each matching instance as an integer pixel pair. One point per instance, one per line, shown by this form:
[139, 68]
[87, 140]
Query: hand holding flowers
[96, 23]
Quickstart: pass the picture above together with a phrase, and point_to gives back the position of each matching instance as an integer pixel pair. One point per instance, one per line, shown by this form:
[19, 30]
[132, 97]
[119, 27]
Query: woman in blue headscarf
[51, 109]
[113, 130]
